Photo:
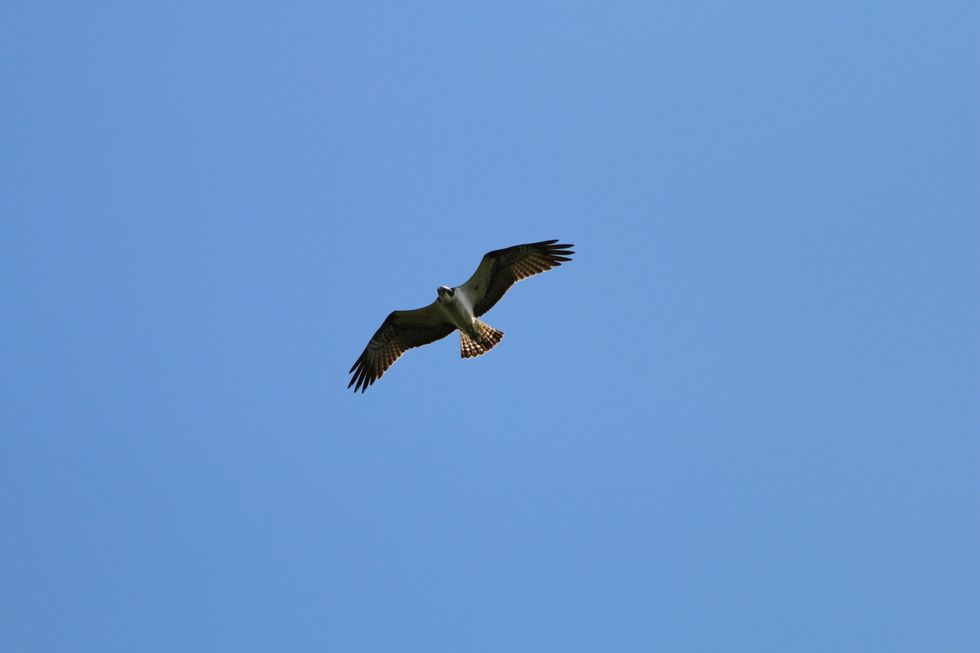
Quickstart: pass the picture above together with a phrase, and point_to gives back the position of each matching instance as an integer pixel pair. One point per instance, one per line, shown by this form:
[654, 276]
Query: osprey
[456, 308]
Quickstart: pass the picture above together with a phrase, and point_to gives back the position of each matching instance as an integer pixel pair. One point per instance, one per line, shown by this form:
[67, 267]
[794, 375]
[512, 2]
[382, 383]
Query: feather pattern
[489, 337]
[502, 268]
[401, 331]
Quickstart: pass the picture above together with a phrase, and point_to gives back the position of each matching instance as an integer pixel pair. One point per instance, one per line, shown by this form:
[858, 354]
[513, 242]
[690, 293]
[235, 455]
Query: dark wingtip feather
[359, 376]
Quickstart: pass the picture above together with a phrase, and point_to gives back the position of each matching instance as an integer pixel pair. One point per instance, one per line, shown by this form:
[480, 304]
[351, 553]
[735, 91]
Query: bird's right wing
[401, 331]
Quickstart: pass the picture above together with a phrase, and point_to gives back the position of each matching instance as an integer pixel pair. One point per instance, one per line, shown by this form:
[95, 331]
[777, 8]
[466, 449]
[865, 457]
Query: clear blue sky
[745, 418]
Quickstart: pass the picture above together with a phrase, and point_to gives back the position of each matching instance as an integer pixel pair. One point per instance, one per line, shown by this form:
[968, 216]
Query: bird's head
[445, 292]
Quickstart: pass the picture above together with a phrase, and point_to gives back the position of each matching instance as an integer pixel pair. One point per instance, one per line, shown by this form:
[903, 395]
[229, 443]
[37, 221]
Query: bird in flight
[456, 308]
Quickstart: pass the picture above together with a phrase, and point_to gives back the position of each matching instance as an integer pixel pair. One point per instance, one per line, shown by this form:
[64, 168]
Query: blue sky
[745, 418]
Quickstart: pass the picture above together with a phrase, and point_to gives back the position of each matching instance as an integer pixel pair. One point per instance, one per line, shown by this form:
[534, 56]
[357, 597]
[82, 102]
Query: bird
[457, 308]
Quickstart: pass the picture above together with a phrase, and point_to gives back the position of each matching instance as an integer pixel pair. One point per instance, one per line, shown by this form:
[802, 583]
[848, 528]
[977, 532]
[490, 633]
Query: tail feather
[489, 337]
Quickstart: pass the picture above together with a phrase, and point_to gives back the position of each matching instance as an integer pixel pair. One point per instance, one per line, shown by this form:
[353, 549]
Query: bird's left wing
[502, 268]
[401, 331]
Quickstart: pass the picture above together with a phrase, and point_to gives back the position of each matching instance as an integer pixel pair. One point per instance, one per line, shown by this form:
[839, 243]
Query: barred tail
[489, 337]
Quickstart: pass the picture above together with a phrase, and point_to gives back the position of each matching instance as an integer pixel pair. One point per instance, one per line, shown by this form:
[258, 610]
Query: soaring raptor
[456, 308]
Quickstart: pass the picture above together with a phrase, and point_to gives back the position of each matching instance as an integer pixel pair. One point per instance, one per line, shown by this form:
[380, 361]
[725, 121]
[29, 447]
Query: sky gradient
[744, 418]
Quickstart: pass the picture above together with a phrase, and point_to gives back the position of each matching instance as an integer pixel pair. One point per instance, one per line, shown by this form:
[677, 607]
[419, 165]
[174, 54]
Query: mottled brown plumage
[401, 331]
[502, 268]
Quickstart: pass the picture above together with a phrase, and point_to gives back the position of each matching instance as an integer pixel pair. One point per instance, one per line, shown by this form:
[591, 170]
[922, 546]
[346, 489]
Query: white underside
[459, 310]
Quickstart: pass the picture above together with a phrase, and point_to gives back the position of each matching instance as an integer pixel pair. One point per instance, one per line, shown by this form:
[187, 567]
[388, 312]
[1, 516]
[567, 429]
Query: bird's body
[456, 308]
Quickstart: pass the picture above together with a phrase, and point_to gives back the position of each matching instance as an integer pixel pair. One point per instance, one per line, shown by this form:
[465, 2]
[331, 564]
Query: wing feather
[401, 331]
[502, 268]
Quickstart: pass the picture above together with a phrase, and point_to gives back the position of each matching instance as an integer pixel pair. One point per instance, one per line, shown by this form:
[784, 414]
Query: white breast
[466, 302]
[459, 310]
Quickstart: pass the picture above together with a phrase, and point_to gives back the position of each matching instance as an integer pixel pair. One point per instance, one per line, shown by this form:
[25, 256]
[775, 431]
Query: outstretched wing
[502, 268]
[401, 331]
